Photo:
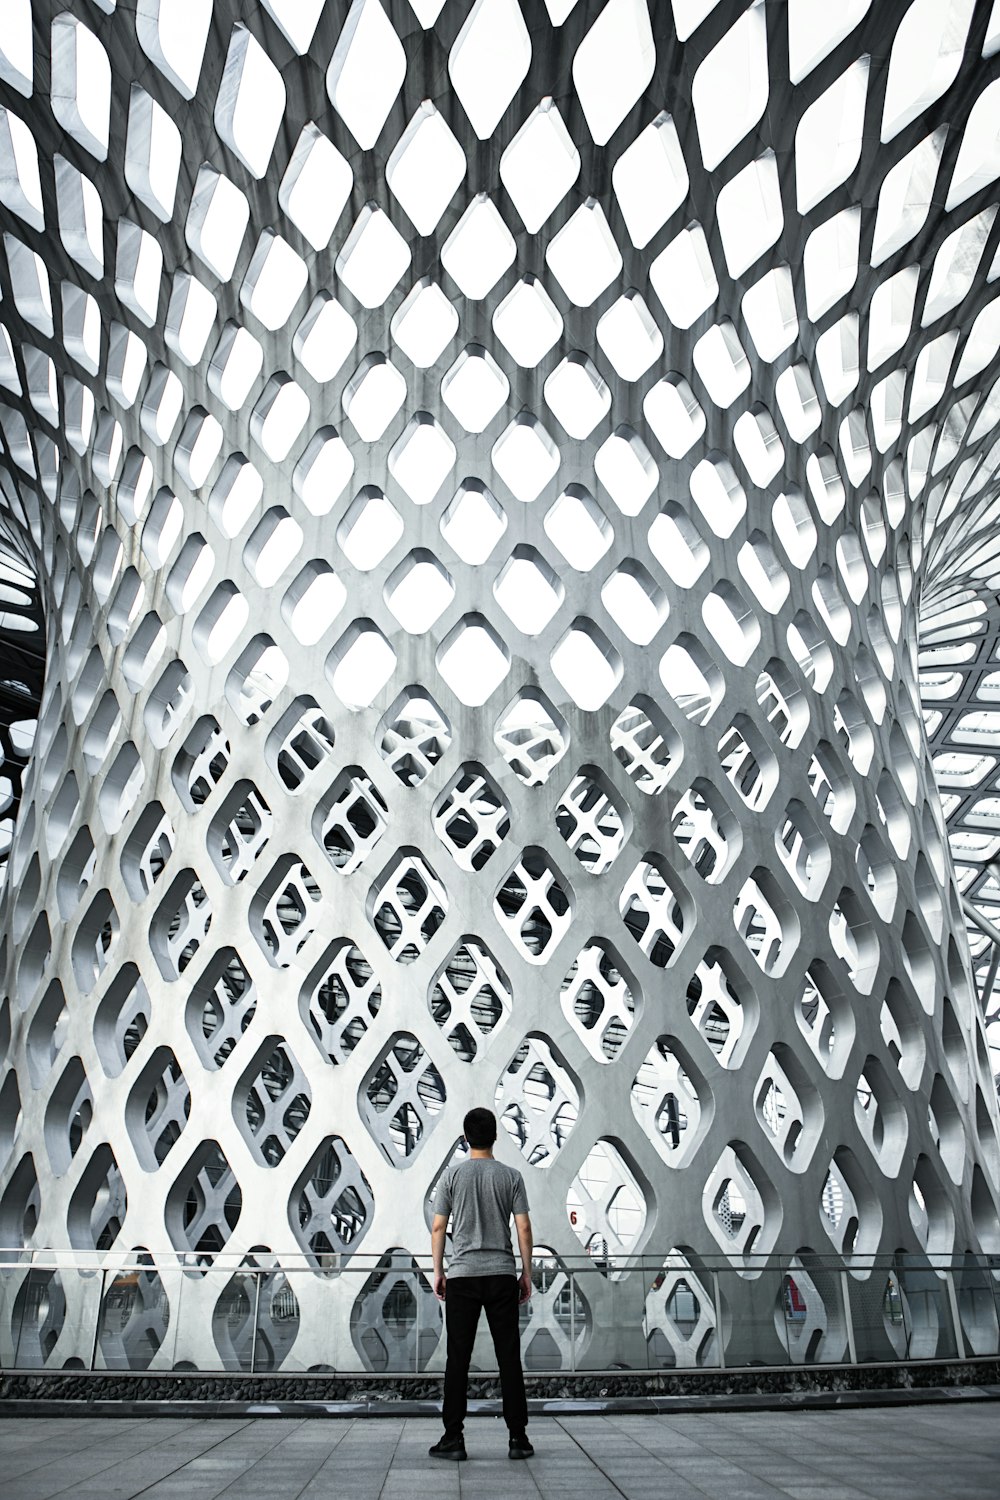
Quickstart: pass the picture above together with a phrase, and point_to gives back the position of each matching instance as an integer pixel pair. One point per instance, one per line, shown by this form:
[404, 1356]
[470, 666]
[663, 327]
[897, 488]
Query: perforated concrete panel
[490, 473]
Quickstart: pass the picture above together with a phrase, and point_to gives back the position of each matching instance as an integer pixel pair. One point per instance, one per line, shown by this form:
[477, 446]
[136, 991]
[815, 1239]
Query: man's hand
[524, 1286]
[439, 1285]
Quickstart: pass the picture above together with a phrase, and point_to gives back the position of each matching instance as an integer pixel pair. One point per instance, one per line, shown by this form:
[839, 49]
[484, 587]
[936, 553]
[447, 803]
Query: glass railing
[369, 1315]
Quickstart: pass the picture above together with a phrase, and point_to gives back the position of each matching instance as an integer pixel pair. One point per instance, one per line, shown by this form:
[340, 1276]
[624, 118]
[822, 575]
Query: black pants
[464, 1296]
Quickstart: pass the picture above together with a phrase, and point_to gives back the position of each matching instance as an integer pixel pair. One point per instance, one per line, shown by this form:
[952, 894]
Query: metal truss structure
[509, 494]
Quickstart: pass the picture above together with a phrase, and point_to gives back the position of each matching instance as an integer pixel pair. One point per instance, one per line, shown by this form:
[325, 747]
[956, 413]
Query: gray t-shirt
[481, 1194]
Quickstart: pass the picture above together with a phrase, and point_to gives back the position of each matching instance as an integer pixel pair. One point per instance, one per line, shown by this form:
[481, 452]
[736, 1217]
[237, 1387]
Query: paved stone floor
[947, 1452]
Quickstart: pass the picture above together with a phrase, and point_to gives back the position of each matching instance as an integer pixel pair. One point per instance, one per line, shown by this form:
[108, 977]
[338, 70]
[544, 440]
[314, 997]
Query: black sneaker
[449, 1447]
[519, 1447]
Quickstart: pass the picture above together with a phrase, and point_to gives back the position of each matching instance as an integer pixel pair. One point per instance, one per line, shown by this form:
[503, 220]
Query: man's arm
[438, 1230]
[525, 1244]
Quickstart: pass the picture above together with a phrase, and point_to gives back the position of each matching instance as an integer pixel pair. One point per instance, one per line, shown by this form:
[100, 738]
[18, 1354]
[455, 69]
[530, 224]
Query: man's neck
[478, 1155]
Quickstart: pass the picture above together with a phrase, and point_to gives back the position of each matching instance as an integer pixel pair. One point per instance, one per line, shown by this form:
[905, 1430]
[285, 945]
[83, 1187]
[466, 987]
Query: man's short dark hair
[480, 1127]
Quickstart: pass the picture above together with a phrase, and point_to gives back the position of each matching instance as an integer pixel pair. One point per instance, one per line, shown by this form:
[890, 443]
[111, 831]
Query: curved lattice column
[489, 474]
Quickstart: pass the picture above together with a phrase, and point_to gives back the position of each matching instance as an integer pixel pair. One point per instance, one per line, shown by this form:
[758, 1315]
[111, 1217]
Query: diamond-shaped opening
[731, 622]
[279, 416]
[278, 1102]
[360, 665]
[274, 282]
[528, 591]
[532, 736]
[99, 1203]
[599, 999]
[259, 675]
[283, 913]
[654, 911]
[251, 102]
[16, 50]
[586, 664]
[474, 522]
[366, 71]
[239, 832]
[370, 529]
[81, 218]
[180, 925]
[413, 736]
[730, 88]
[766, 922]
[665, 1100]
[479, 249]
[127, 361]
[583, 255]
[216, 222]
[721, 361]
[235, 495]
[204, 1205]
[629, 337]
[634, 602]
[770, 315]
[533, 906]
[540, 165]
[191, 314]
[577, 394]
[537, 1100]
[81, 85]
[407, 905]
[222, 1005]
[425, 168]
[324, 338]
[750, 213]
[706, 831]
[339, 999]
[312, 602]
[650, 179]
[350, 819]
[614, 65]
[803, 850]
[527, 322]
[424, 324]
[646, 744]
[729, 1207]
[907, 190]
[471, 817]
[316, 186]
[748, 763]
[854, 939]
[473, 660]
[578, 527]
[683, 277]
[375, 256]
[927, 53]
[488, 62]
[422, 459]
[418, 591]
[233, 372]
[525, 457]
[138, 271]
[590, 818]
[975, 166]
[301, 742]
[470, 997]
[830, 261]
[373, 396]
[331, 1206]
[475, 388]
[692, 679]
[626, 469]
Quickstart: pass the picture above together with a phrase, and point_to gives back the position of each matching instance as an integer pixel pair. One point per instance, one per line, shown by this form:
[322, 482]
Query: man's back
[481, 1194]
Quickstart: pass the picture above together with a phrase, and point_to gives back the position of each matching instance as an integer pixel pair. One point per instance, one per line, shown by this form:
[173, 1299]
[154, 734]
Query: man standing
[480, 1195]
